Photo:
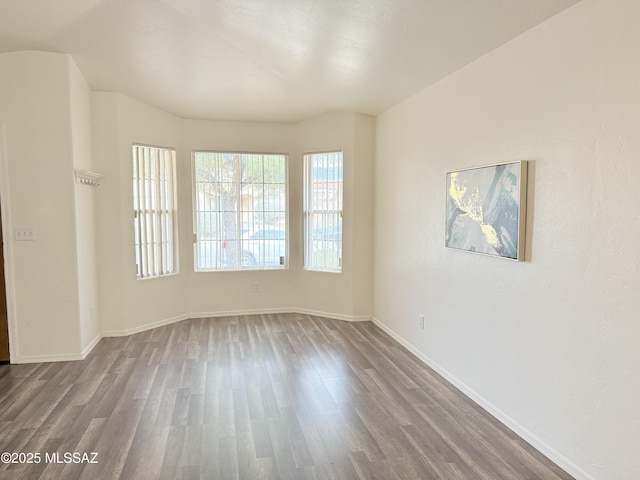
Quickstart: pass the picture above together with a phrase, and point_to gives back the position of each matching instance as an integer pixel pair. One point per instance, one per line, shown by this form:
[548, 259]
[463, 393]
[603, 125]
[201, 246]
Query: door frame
[8, 247]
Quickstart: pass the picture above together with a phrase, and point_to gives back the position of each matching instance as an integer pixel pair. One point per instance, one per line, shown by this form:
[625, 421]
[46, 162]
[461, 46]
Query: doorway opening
[4, 320]
[5, 270]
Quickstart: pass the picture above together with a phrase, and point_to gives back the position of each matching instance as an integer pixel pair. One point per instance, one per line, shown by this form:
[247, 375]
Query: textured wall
[551, 345]
[85, 210]
[35, 106]
[126, 302]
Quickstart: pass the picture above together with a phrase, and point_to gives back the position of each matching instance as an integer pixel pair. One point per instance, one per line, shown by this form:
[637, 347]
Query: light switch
[24, 234]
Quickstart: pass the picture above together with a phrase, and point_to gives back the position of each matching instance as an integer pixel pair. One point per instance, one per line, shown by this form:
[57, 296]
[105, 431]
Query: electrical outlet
[255, 287]
[421, 321]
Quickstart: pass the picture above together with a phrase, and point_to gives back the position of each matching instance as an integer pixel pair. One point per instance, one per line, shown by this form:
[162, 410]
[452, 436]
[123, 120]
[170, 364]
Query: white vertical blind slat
[171, 210]
[154, 202]
[144, 207]
[138, 204]
[158, 215]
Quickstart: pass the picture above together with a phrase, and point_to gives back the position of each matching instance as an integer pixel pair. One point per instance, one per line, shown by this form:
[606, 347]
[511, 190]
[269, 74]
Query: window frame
[307, 195]
[194, 190]
[168, 211]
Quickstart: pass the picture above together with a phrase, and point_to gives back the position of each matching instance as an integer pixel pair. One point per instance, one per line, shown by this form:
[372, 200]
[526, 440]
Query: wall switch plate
[421, 321]
[24, 234]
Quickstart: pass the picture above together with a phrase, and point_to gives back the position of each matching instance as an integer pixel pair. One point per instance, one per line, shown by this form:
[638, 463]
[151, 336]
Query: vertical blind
[154, 204]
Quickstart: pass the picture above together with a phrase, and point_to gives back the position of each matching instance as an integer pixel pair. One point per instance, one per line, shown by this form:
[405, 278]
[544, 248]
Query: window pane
[241, 215]
[323, 187]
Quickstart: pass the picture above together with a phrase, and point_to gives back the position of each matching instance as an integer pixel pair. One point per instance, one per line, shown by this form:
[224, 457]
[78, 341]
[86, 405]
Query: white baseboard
[54, 357]
[334, 316]
[302, 311]
[145, 327]
[57, 357]
[235, 313]
[533, 440]
[88, 348]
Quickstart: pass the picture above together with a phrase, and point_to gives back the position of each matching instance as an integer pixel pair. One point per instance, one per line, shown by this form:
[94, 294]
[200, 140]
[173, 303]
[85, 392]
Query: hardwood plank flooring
[284, 396]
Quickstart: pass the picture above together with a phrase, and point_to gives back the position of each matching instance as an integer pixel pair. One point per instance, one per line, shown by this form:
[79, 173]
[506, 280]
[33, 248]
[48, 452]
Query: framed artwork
[485, 210]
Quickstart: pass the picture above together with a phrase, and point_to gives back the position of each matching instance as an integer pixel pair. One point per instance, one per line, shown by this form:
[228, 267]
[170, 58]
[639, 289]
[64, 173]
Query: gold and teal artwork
[485, 209]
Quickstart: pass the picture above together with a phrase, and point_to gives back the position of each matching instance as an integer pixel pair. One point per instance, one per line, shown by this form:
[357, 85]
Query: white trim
[235, 313]
[334, 316]
[53, 357]
[57, 357]
[533, 440]
[144, 328]
[87, 350]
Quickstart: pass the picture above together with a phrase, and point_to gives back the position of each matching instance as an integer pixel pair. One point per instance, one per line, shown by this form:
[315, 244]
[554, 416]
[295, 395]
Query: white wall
[85, 210]
[128, 304]
[35, 108]
[215, 293]
[347, 294]
[551, 345]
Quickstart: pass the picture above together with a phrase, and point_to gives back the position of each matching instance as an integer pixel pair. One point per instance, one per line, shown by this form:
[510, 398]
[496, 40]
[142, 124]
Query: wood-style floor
[283, 396]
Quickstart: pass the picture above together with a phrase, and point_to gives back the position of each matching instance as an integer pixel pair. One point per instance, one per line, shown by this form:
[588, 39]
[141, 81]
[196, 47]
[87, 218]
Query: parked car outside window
[265, 247]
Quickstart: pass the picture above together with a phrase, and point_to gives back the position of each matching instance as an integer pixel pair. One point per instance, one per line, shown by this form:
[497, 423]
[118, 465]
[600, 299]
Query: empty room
[320, 239]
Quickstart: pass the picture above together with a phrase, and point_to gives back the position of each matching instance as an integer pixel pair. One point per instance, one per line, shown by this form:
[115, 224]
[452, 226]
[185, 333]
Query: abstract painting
[485, 209]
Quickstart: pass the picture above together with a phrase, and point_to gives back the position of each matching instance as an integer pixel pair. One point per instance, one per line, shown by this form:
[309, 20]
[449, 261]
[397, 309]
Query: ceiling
[268, 60]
